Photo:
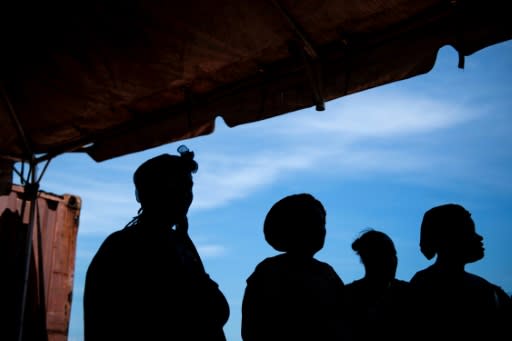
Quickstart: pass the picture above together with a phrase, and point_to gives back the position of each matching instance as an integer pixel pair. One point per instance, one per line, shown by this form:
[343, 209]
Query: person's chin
[477, 256]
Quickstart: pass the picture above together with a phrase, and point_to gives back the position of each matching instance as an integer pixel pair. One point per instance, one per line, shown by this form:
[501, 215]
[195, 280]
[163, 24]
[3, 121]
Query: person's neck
[449, 265]
[156, 222]
[377, 281]
[300, 255]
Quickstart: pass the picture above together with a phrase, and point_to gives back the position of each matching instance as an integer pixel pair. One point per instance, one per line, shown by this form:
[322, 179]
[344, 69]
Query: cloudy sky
[379, 158]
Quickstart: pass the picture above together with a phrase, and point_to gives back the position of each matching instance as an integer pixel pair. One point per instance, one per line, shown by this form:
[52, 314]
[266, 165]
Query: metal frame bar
[31, 187]
[309, 55]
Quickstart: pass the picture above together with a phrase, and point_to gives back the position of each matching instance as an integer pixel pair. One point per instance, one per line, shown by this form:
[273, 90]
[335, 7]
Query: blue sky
[379, 158]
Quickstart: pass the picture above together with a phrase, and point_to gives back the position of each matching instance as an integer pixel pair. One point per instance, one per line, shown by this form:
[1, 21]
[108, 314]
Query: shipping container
[36, 282]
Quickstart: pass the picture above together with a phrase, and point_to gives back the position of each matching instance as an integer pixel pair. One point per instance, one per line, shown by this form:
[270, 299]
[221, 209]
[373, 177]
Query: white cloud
[108, 199]
[343, 140]
[376, 116]
[223, 179]
[211, 250]
[358, 135]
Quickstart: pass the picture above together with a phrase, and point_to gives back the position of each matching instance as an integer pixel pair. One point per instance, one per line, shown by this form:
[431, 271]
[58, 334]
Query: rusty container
[36, 277]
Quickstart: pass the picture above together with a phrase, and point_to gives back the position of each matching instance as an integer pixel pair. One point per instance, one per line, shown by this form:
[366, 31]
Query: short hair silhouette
[445, 289]
[292, 295]
[442, 227]
[296, 223]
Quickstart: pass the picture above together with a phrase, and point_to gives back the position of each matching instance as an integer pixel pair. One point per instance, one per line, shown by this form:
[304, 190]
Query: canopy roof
[115, 77]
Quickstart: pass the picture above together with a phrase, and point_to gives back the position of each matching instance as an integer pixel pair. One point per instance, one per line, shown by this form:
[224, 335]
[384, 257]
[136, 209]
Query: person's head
[378, 255]
[296, 224]
[163, 185]
[449, 231]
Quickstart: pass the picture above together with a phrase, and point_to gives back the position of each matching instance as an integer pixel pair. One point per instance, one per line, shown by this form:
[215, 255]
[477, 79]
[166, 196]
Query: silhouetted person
[378, 303]
[454, 304]
[147, 282]
[293, 296]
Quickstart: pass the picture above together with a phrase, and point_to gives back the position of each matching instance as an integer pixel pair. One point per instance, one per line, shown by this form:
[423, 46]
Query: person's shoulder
[116, 237]
[271, 263]
[502, 296]
[401, 289]
[267, 268]
[324, 271]
[355, 284]
[399, 281]
[422, 275]
[117, 240]
[477, 281]
[320, 263]
[107, 250]
[323, 266]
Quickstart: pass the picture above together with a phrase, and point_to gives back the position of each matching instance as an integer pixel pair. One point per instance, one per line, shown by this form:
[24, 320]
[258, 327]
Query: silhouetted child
[293, 296]
[453, 304]
[377, 304]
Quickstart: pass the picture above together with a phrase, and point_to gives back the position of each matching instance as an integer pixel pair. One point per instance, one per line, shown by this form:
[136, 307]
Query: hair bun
[188, 155]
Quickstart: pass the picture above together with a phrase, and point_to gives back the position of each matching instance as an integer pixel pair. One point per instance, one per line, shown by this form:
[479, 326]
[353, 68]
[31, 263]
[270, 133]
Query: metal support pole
[31, 189]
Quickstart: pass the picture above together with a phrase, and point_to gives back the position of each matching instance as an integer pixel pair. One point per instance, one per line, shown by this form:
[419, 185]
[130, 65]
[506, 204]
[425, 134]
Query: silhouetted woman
[147, 282]
[293, 296]
[453, 304]
[377, 304]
